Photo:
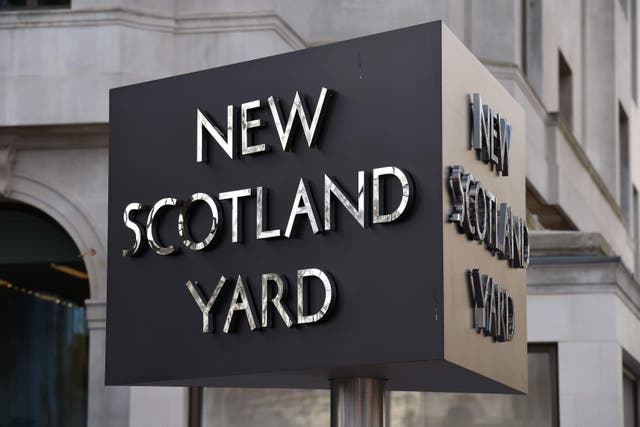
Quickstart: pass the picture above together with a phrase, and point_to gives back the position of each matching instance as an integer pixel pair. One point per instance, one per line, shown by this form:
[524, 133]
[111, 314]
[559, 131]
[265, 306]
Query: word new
[284, 132]
[274, 293]
[491, 136]
[493, 307]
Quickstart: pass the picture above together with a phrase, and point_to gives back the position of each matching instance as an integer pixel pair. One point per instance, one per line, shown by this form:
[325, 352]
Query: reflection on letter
[248, 124]
[236, 232]
[227, 146]
[261, 216]
[378, 216]
[282, 289]
[133, 226]
[245, 304]
[205, 308]
[153, 243]
[329, 292]
[299, 107]
[308, 208]
[331, 187]
[183, 226]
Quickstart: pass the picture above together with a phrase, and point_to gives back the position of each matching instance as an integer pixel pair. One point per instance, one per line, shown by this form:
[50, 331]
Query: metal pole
[357, 402]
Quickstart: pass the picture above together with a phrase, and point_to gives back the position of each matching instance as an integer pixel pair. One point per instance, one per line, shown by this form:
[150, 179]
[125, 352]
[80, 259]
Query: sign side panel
[505, 362]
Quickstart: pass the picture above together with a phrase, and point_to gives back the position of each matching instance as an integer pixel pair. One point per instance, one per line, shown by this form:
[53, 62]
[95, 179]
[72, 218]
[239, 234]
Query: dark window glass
[53, 2]
[33, 4]
[625, 172]
[532, 43]
[630, 399]
[634, 49]
[636, 231]
[43, 328]
[13, 3]
[234, 407]
[624, 7]
[537, 409]
[565, 94]
[43, 373]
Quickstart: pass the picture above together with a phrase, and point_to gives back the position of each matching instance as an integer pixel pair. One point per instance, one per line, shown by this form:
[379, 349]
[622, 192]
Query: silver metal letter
[248, 124]
[481, 125]
[299, 107]
[282, 289]
[153, 243]
[516, 224]
[490, 305]
[492, 218]
[183, 227]
[511, 325]
[331, 187]
[525, 244]
[378, 216]
[479, 288]
[329, 292]
[478, 210]
[227, 145]
[308, 208]
[205, 308]
[505, 232]
[246, 305]
[261, 216]
[500, 323]
[494, 140]
[133, 226]
[505, 147]
[236, 232]
[457, 195]
[468, 224]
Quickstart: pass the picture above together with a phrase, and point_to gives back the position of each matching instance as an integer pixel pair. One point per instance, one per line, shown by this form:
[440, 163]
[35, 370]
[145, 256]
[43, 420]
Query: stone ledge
[568, 243]
[583, 274]
[36, 137]
[153, 21]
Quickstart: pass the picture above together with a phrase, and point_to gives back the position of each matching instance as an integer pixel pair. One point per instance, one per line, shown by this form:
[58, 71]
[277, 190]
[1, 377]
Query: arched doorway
[43, 327]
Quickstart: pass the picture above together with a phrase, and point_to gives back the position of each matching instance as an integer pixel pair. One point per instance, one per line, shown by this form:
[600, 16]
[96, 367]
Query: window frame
[33, 5]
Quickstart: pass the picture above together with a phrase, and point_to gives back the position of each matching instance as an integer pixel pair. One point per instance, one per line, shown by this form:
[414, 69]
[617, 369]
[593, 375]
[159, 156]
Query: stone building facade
[571, 64]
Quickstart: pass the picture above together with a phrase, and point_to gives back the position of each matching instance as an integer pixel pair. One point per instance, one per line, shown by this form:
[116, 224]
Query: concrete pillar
[590, 384]
[159, 407]
[107, 406]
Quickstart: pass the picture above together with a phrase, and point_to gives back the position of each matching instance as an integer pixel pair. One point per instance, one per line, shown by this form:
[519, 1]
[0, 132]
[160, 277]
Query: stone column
[107, 406]
[159, 407]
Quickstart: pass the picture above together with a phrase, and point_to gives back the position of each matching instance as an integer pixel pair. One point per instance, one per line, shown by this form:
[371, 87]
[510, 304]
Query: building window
[33, 4]
[532, 43]
[634, 50]
[636, 232]
[235, 407]
[630, 398]
[539, 408]
[43, 325]
[623, 5]
[565, 92]
[625, 176]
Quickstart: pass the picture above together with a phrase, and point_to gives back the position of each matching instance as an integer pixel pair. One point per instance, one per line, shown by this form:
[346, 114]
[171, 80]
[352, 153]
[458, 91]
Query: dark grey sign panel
[243, 263]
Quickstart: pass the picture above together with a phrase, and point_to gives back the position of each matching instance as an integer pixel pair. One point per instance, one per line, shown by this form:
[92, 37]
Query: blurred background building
[571, 64]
